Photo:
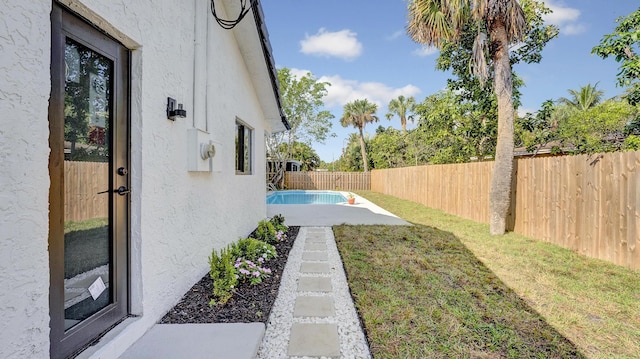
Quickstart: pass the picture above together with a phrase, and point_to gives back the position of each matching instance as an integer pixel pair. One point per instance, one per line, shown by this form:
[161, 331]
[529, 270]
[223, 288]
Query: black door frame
[65, 24]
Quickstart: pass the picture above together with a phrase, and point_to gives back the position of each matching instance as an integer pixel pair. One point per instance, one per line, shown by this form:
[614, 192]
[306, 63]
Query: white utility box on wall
[204, 154]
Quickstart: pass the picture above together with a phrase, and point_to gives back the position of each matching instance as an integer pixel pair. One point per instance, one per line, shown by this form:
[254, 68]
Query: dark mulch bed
[250, 303]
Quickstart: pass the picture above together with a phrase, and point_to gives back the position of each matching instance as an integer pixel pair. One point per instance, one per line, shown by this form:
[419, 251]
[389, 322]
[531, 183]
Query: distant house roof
[545, 150]
[254, 45]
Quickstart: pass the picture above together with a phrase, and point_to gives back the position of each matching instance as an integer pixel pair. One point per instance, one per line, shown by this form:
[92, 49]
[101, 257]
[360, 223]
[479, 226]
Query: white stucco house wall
[181, 207]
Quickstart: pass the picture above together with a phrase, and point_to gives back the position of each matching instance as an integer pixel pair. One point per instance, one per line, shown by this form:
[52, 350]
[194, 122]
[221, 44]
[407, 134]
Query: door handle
[122, 190]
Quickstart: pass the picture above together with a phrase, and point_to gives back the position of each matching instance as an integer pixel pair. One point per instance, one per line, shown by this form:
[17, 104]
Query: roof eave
[253, 42]
[261, 27]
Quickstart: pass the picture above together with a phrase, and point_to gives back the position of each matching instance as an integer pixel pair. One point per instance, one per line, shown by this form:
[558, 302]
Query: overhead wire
[230, 24]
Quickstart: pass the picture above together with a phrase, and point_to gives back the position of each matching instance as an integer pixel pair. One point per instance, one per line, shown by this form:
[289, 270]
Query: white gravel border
[276, 338]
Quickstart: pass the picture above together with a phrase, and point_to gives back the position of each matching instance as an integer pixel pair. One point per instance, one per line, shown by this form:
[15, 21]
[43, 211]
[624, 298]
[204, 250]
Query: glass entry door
[89, 201]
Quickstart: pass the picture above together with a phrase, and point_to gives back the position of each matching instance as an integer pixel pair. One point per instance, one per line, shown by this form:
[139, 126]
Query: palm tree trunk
[363, 152]
[403, 123]
[499, 197]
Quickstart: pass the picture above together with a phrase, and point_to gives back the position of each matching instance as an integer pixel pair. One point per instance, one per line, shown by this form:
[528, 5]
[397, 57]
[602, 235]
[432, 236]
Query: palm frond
[515, 21]
[511, 14]
[479, 66]
[479, 9]
[430, 22]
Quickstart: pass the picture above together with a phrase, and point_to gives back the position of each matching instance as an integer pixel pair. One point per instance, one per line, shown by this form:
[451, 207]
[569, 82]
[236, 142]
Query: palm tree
[357, 114]
[499, 23]
[584, 99]
[400, 106]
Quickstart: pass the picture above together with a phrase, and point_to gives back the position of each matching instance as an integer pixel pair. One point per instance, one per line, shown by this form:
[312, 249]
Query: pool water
[305, 197]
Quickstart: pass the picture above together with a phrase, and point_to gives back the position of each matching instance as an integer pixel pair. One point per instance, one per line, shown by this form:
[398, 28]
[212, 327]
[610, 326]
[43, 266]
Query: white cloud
[566, 18]
[426, 51]
[299, 73]
[573, 29]
[343, 44]
[395, 35]
[343, 91]
[523, 111]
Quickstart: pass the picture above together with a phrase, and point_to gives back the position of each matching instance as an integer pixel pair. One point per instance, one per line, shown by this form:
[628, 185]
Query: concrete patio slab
[198, 341]
[314, 340]
[314, 284]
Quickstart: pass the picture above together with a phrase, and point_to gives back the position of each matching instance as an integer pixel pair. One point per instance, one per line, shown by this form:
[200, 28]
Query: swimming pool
[305, 197]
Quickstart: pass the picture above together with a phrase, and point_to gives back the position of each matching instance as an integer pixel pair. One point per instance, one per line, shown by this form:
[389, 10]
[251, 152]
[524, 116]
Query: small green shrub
[224, 275]
[278, 224]
[244, 260]
[277, 220]
[273, 230]
[266, 232]
[252, 249]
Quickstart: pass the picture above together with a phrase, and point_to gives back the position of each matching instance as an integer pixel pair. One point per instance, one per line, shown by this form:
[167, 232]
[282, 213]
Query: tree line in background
[474, 118]
[450, 132]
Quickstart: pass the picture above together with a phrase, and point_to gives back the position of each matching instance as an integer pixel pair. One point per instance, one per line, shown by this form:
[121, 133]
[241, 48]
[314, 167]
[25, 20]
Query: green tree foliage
[86, 99]
[536, 130]
[351, 158]
[302, 104]
[357, 114]
[447, 132]
[303, 153]
[581, 123]
[403, 107]
[597, 129]
[454, 132]
[622, 44]
[388, 148]
[497, 24]
[457, 57]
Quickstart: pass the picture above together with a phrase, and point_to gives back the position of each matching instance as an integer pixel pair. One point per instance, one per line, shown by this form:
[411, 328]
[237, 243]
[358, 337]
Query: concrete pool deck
[326, 215]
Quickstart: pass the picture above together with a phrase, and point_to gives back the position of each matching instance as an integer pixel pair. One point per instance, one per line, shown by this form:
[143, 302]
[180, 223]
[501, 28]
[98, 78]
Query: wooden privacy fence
[82, 182]
[342, 181]
[457, 189]
[588, 203]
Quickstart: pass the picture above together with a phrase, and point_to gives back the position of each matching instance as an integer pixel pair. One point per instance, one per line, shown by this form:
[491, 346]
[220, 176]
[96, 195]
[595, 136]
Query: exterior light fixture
[173, 112]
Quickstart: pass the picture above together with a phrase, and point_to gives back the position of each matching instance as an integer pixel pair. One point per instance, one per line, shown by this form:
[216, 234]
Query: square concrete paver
[315, 256]
[314, 284]
[309, 339]
[315, 246]
[309, 306]
[310, 267]
[316, 238]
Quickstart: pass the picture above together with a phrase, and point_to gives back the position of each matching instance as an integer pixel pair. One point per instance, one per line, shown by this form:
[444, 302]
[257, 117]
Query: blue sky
[362, 49]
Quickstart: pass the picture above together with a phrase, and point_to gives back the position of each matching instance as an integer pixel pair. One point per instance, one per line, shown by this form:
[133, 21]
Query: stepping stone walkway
[313, 315]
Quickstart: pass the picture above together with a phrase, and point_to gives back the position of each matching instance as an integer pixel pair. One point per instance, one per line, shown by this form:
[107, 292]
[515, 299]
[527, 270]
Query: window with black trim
[244, 138]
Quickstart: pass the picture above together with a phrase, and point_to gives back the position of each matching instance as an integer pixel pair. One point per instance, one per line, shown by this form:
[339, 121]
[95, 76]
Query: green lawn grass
[446, 288]
[86, 245]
